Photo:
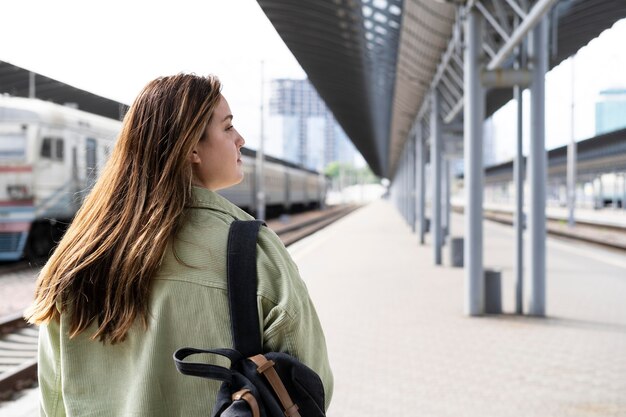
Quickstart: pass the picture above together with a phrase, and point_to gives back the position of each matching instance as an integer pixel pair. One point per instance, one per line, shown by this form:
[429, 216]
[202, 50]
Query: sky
[113, 48]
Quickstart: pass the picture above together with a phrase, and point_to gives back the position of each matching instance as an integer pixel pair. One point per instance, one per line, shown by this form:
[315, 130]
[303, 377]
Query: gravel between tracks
[16, 290]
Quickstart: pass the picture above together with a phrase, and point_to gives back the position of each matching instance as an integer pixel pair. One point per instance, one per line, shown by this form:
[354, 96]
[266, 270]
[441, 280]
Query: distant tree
[351, 174]
[333, 169]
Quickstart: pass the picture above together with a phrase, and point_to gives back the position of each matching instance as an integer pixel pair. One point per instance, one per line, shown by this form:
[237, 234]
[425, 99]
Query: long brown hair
[102, 268]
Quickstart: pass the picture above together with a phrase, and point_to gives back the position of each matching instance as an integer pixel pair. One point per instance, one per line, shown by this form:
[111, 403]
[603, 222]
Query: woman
[141, 271]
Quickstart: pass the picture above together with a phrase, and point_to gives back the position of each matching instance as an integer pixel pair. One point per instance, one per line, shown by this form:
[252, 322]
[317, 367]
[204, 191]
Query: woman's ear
[194, 158]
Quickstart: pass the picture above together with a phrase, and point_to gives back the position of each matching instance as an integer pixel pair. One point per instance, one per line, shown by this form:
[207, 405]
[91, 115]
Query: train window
[59, 151]
[53, 148]
[46, 148]
[12, 146]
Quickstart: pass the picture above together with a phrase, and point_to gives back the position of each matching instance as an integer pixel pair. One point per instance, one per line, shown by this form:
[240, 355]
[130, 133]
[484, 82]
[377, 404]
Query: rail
[606, 235]
[18, 355]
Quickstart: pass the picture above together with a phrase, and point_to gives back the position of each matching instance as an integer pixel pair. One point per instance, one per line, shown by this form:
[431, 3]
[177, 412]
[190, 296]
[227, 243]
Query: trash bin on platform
[456, 252]
[493, 292]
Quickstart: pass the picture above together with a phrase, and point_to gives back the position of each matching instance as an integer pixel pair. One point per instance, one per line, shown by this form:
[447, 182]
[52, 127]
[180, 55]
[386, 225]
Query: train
[50, 155]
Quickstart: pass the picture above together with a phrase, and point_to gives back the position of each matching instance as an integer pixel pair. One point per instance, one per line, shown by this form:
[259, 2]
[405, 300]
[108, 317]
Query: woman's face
[216, 160]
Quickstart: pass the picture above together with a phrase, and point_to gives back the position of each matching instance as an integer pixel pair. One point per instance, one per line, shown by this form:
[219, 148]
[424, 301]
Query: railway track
[604, 235]
[18, 355]
[308, 223]
[18, 340]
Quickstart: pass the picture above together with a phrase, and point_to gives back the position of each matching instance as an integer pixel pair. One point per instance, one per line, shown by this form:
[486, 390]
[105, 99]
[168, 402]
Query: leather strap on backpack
[266, 368]
[247, 396]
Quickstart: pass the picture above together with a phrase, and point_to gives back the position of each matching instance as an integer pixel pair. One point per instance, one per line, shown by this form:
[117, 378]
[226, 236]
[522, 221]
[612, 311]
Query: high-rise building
[611, 110]
[310, 134]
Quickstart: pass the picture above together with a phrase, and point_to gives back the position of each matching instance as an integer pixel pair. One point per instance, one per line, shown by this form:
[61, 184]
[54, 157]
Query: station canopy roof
[16, 81]
[374, 61]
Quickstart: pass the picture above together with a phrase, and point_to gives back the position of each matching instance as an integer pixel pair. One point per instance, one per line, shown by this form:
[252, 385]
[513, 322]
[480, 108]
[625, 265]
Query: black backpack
[271, 384]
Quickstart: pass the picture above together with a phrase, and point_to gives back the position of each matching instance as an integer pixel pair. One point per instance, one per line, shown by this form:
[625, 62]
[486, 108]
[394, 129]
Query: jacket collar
[205, 198]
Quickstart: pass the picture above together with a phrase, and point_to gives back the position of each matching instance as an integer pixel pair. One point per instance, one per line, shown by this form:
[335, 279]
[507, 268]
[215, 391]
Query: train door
[52, 197]
[91, 161]
[75, 186]
[51, 174]
[287, 190]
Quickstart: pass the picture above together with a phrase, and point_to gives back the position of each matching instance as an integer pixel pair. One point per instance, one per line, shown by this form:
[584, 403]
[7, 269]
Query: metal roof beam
[492, 21]
[517, 9]
[445, 60]
[506, 40]
[534, 16]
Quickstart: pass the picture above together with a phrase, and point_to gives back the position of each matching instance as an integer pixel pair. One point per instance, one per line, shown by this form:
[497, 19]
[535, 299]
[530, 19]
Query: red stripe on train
[17, 168]
[17, 203]
[14, 227]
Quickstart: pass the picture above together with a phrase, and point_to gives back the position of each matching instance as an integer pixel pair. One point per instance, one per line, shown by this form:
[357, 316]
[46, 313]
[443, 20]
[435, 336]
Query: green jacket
[188, 308]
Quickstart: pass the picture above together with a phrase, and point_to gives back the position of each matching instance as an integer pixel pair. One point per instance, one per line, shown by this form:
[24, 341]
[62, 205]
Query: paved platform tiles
[400, 344]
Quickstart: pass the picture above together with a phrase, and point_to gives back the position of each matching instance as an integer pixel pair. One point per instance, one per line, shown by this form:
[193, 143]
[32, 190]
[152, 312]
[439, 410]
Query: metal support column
[624, 191]
[474, 108]
[614, 199]
[571, 160]
[537, 161]
[260, 157]
[518, 176]
[412, 181]
[405, 178]
[401, 188]
[421, 182]
[435, 163]
[571, 182]
[405, 181]
[407, 173]
[446, 198]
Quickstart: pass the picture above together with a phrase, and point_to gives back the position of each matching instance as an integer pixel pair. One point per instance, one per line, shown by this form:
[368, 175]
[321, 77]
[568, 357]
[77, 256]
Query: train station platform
[400, 345]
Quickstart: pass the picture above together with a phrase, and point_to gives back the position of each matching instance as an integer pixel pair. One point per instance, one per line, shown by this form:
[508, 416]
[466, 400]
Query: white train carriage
[286, 185]
[50, 156]
[49, 153]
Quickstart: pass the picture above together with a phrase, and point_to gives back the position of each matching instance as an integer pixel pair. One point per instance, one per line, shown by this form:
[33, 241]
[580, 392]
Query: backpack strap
[242, 286]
